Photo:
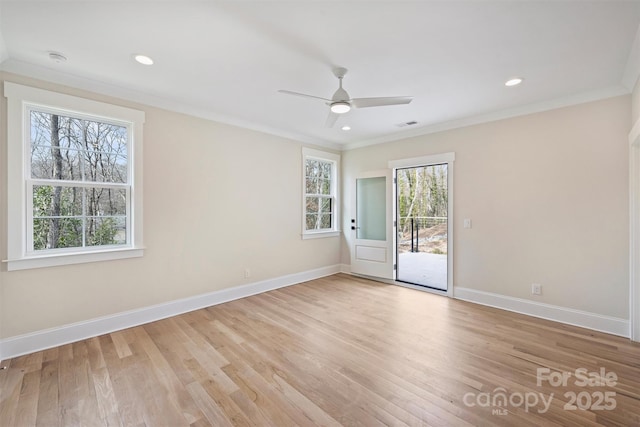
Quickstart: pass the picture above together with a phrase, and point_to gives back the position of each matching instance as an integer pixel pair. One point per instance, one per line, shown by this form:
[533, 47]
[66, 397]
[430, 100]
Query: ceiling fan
[341, 103]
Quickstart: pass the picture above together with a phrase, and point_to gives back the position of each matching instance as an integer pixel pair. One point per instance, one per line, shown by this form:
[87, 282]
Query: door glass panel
[422, 208]
[371, 208]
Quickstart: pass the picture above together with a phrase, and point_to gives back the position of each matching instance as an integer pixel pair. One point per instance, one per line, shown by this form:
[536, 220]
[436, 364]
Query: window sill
[53, 260]
[320, 234]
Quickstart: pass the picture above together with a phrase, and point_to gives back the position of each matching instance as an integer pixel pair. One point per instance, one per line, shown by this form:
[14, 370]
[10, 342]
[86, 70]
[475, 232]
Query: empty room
[319, 213]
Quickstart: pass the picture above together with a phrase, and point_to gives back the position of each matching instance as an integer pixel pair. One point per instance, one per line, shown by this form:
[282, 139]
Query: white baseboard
[53, 337]
[598, 322]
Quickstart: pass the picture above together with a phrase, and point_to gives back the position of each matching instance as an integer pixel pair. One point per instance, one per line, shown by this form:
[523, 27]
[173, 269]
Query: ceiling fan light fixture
[340, 107]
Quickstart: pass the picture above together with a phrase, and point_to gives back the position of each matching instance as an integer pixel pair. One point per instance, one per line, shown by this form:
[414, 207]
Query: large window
[78, 182]
[74, 179]
[320, 195]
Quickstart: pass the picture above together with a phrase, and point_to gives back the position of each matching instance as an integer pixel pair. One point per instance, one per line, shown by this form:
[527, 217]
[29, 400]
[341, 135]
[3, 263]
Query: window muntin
[320, 189]
[78, 182]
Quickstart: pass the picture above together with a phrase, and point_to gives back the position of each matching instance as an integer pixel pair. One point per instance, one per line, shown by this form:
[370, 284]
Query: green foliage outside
[422, 192]
[69, 230]
[76, 150]
[104, 233]
[423, 202]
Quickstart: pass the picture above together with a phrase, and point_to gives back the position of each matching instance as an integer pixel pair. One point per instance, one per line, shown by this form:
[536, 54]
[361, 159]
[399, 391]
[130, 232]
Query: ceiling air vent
[411, 123]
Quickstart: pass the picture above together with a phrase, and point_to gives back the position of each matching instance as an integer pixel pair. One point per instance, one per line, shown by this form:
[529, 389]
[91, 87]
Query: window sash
[83, 181]
[319, 212]
[31, 218]
[29, 108]
[320, 182]
[326, 185]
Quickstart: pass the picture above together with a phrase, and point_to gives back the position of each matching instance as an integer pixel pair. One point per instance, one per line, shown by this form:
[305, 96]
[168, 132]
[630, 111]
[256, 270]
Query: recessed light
[515, 81]
[57, 57]
[346, 127]
[143, 59]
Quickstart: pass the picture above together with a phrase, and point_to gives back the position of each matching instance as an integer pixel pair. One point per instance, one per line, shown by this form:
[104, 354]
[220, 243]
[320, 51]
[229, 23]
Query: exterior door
[422, 207]
[371, 225]
[433, 238]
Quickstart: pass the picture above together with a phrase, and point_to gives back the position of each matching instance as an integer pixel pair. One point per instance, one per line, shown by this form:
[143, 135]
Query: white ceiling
[226, 60]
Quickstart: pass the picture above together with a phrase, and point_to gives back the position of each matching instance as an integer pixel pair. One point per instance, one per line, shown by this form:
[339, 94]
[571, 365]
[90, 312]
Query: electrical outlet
[247, 273]
[536, 289]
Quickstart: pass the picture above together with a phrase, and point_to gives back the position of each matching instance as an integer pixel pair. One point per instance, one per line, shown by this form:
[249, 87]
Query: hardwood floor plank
[69, 398]
[340, 350]
[121, 344]
[126, 397]
[210, 409]
[48, 397]
[176, 402]
[309, 409]
[27, 410]
[105, 396]
[10, 386]
[96, 358]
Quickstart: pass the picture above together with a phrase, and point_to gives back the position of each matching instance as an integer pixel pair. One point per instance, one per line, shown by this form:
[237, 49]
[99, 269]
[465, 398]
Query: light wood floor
[334, 351]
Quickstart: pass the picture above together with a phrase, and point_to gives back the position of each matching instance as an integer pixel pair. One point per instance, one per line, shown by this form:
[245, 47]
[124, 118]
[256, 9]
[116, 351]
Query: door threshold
[423, 288]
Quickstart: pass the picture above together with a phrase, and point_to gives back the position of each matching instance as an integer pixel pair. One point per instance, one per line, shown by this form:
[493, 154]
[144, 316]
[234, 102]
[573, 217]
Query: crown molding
[57, 77]
[568, 101]
[54, 76]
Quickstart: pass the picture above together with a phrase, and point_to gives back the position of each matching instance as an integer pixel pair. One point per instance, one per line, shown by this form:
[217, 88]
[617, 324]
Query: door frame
[436, 159]
[634, 232]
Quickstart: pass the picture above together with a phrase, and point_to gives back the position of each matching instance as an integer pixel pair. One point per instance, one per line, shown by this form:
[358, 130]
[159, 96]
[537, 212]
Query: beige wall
[548, 198]
[217, 199]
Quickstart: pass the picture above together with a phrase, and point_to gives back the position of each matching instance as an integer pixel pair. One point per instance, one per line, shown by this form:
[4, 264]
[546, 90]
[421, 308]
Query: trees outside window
[79, 182]
[422, 208]
[318, 195]
[320, 189]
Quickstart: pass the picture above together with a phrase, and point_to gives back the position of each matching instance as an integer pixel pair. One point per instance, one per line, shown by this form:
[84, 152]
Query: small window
[74, 179]
[320, 200]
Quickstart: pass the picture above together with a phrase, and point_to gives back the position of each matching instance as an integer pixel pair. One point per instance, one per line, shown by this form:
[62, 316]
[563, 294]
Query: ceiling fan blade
[331, 119]
[304, 95]
[380, 102]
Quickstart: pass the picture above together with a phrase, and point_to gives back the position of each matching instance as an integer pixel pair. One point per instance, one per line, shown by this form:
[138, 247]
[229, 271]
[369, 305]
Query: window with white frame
[74, 179]
[320, 193]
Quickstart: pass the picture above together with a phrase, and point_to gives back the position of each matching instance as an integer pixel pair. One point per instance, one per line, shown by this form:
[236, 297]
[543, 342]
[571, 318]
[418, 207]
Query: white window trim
[19, 98]
[309, 153]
